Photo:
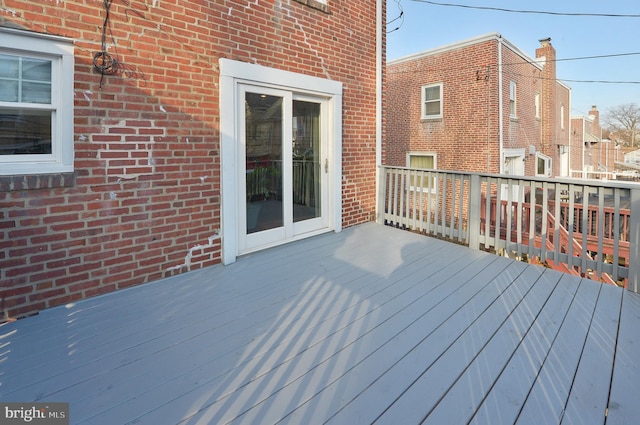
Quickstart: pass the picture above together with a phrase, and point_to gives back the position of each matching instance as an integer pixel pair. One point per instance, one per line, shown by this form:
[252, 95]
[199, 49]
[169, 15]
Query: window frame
[537, 104]
[423, 100]
[548, 163]
[60, 51]
[513, 99]
[432, 188]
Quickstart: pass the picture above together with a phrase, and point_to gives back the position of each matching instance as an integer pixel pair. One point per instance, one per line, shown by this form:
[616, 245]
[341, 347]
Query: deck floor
[370, 325]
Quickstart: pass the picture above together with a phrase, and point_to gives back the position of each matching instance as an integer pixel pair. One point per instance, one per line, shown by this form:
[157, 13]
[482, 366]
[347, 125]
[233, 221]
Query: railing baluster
[600, 230]
[564, 229]
[586, 193]
[616, 234]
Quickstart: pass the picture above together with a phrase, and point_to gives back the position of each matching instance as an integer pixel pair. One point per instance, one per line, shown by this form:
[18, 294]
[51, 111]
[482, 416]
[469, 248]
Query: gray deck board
[370, 325]
[624, 407]
[589, 394]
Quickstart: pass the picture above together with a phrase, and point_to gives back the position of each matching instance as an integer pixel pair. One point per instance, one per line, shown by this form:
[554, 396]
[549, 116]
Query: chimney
[546, 55]
[594, 114]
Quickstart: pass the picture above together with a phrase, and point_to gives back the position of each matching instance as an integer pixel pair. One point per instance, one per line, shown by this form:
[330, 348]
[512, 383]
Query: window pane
[541, 167]
[25, 132]
[421, 162]
[264, 141]
[8, 90]
[306, 160]
[36, 92]
[432, 93]
[36, 70]
[9, 66]
[432, 108]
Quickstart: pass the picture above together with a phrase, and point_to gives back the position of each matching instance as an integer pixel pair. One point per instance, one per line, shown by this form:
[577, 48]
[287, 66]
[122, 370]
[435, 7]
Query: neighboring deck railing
[538, 219]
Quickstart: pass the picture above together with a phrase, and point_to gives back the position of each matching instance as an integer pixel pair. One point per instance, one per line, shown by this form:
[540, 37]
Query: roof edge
[465, 43]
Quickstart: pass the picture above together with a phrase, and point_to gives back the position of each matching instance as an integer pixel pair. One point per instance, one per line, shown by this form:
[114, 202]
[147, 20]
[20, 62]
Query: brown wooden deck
[370, 325]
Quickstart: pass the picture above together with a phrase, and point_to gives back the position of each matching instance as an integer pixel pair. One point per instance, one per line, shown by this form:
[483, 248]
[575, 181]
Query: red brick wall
[146, 189]
[525, 129]
[460, 138]
[467, 137]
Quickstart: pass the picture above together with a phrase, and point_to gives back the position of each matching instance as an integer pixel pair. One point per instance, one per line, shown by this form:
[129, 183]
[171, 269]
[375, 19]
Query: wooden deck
[370, 325]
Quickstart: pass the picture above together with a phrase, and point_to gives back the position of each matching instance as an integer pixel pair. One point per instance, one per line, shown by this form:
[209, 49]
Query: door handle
[326, 165]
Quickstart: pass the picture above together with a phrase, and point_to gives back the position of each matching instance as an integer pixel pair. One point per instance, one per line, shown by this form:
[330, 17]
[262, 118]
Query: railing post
[382, 185]
[474, 210]
[634, 242]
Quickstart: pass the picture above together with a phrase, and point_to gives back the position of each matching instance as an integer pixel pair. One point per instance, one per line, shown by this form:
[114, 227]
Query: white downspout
[500, 108]
[584, 128]
[570, 134]
[379, 65]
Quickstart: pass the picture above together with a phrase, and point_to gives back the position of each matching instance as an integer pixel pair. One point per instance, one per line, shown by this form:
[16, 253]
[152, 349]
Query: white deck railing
[535, 219]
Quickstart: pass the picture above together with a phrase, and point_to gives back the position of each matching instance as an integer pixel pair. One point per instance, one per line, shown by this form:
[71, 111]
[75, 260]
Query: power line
[399, 17]
[549, 60]
[539, 12]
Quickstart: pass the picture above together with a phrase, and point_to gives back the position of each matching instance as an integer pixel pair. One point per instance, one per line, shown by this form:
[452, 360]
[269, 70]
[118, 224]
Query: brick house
[592, 156]
[137, 135]
[478, 105]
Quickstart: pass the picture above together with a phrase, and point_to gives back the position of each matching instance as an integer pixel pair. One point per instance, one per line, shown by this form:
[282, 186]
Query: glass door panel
[306, 160]
[264, 161]
[282, 154]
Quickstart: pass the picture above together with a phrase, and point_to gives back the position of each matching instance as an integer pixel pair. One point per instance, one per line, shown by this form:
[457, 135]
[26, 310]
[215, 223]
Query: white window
[543, 165]
[432, 101]
[422, 161]
[512, 99]
[36, 103]
[537, 101]
[562, 117]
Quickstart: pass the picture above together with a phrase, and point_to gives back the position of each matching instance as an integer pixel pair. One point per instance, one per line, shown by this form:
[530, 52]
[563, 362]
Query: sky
[424, 26]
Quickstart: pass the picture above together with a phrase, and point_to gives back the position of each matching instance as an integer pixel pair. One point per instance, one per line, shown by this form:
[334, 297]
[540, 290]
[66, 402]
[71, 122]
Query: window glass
[432, 93]
[9, 67]
[24, 132]
[422, 161]
[543, 165]
[36, 103]
[8, 91]
[512, 99]
[432, 101]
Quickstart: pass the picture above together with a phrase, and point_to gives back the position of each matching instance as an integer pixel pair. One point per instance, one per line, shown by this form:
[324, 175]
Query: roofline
[465, 43]
[582, 117]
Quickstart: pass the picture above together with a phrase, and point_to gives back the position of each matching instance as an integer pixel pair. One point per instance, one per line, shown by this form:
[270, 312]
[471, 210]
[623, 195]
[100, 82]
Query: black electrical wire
[399, 17]
[540, 12]
[103, 61]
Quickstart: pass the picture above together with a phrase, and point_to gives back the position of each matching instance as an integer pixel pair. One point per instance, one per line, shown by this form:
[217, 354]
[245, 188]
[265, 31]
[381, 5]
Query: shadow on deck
[370, 325]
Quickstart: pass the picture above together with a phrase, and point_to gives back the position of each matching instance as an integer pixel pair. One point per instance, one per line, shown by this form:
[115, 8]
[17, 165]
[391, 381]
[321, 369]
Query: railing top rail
[553, 180]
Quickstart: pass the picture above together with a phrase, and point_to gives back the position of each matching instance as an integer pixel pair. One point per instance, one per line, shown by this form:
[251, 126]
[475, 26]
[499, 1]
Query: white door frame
[233, 73]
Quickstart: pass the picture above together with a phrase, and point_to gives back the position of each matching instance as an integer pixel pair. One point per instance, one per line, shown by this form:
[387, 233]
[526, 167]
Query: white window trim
[547, 165]
[562, 117]
[60, 51]
[513, 97]
[434, 184]
[232, 75]
[537, 104]
[423, 111]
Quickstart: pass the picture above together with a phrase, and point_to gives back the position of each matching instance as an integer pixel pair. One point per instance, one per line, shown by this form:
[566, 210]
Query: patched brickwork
[146, 185]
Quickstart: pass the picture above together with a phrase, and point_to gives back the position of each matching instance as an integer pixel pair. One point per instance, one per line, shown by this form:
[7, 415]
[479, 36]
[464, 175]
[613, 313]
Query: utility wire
[399, 17]
[474, 67]
[539, 12]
